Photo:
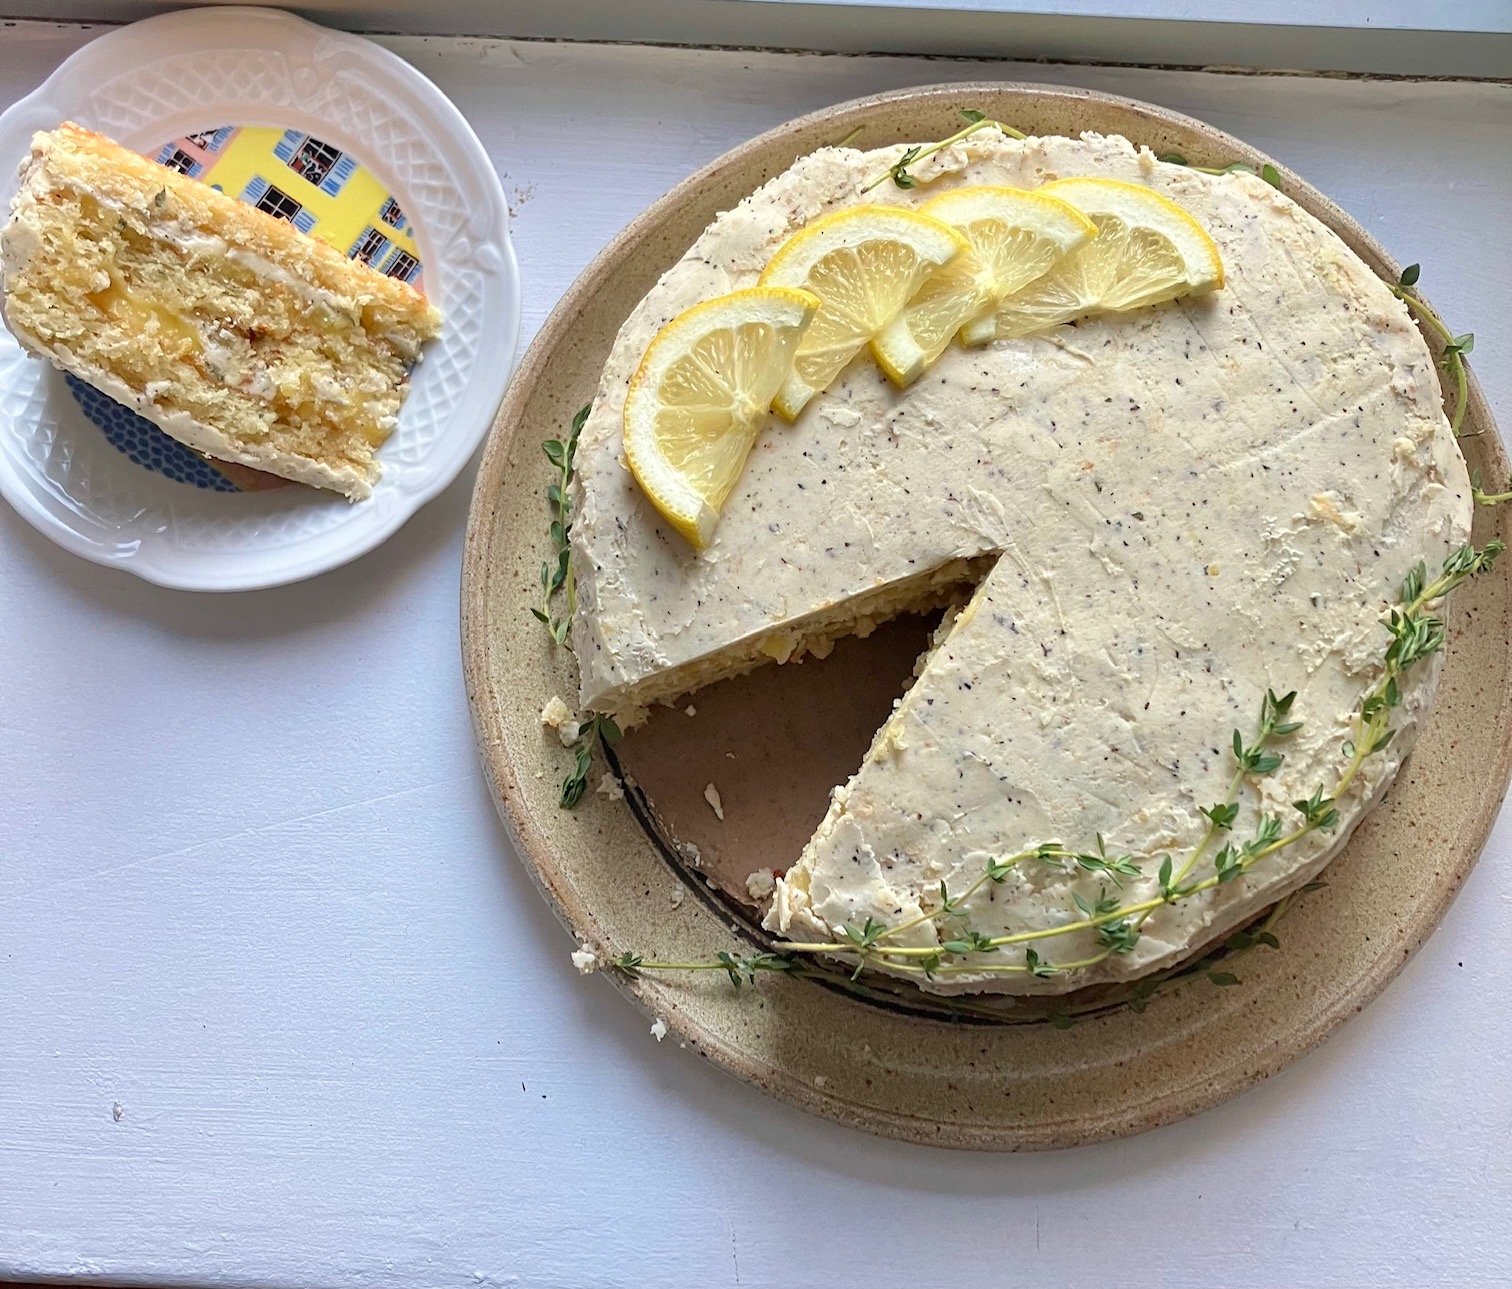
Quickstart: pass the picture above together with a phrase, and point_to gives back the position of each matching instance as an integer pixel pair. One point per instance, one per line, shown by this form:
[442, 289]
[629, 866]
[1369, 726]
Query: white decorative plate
[92, 478]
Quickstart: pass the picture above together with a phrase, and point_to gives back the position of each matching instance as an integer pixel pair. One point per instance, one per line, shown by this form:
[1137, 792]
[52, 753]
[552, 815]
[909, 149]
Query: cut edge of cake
[947, 586]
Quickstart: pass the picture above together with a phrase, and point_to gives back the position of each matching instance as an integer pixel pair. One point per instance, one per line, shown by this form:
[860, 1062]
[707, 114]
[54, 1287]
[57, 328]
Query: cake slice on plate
[230, 329]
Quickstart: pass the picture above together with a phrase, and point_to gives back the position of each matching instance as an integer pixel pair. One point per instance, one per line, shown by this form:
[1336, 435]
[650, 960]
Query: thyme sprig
[1417, 632]
[1268, 172]
[1455, 348]
[556, 574]
[1483, 498]
[898, 171]
[1249, 759]
[593, 732]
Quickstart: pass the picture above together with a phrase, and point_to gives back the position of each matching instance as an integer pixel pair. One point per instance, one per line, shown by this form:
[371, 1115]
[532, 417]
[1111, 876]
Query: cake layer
[237, 334]
[1188, 505]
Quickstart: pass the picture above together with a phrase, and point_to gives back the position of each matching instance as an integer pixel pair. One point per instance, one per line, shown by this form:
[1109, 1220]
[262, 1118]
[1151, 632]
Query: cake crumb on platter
[658, 1029]
[760, 884]
[585, 960]
[711, 795]
[558, 716]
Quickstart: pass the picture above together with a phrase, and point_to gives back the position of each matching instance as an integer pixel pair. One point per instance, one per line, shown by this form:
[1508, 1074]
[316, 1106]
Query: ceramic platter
[350, 144]
[898, 1063]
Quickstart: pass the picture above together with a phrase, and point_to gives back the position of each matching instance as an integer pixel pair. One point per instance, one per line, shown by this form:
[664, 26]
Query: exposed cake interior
[951, 584]
[188, 306]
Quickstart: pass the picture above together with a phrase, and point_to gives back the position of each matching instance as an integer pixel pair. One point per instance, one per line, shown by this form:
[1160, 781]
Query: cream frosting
[1186, 505]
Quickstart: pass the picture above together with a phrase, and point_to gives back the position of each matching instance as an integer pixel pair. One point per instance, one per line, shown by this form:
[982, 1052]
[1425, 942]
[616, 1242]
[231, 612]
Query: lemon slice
[1015, 236]
[700, 397]
[1147, 250]
[864, 264]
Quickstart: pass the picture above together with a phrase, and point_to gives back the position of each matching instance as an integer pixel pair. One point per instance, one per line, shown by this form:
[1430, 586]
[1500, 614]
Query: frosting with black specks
[1188, 504]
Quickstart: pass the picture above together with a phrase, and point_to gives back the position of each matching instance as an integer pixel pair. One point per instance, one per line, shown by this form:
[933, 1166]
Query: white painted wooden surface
[278, 1006]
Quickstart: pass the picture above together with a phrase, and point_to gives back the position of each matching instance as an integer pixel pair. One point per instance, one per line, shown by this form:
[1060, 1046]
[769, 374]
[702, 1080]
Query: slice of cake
[234, 332]
[1168, 513]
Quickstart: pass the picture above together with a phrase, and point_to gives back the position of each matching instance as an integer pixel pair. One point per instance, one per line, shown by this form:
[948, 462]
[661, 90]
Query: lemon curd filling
[235, 333]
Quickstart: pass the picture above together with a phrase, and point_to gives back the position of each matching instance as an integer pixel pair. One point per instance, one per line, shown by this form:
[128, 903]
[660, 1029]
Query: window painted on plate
[402, 265]
[211, 140]
[391, 213]
[278, 204]
[369, 247]
[179, 160]
[314, 160]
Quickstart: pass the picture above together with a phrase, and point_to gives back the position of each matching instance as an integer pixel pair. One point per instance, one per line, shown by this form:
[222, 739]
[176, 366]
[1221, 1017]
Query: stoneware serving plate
[1002, 1078]
[351, 145]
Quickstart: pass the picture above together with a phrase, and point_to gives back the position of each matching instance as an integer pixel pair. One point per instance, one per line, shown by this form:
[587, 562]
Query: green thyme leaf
[867, 935]
[1267, 834]
[1037, 965]
[1123, 865]
[732, 968]
[1416, 581]
[949, 906]
[969, 942]
[1222, 815]
[900, 175]
[1410, 275]
[1118, 936]
[592, 732]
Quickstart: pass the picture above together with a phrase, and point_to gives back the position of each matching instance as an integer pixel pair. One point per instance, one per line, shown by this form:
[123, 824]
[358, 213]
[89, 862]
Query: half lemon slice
[1015, 236]
[864, 264]
[1147, 250]
[700, 397]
